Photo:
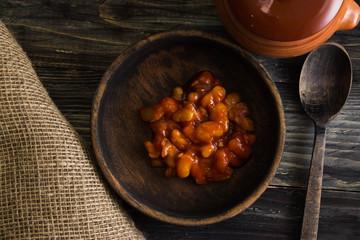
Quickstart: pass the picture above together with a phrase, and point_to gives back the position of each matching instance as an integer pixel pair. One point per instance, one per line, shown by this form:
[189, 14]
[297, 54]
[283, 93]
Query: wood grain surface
[72, 42]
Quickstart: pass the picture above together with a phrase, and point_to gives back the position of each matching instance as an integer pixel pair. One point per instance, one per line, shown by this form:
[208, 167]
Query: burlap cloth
[49, 186]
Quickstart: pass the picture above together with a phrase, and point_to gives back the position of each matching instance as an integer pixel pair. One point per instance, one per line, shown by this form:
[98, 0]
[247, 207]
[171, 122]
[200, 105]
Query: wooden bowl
[144, 74]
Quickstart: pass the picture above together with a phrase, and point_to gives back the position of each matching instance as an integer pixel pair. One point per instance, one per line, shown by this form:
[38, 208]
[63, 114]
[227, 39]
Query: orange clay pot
[286, 28]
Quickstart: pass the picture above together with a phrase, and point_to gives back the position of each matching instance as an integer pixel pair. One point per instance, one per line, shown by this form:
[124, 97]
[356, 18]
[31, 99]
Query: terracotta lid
[285, 20]
[286, 28]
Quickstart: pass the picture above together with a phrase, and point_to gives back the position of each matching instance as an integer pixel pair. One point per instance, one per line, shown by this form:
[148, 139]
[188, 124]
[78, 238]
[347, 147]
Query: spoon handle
[313, 194]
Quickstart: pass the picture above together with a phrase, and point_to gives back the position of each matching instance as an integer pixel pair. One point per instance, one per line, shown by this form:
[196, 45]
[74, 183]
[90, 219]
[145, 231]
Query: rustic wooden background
[72, 42]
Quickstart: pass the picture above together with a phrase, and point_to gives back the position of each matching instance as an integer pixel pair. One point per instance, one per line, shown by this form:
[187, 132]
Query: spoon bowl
[324, 86]
[325, 82]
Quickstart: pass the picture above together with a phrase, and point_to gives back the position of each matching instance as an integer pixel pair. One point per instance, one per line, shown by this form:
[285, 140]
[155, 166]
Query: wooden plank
[71, 44]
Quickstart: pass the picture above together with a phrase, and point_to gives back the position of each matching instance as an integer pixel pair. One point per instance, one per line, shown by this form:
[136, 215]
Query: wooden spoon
[324, 86]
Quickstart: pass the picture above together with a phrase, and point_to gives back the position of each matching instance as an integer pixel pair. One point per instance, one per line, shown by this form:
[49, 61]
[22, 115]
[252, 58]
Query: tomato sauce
[200, 131]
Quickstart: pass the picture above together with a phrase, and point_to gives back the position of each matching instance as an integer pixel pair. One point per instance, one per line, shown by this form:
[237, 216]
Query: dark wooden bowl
[143, 75]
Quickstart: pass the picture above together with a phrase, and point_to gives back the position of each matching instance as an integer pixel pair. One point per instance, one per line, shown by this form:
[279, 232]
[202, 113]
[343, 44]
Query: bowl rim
[188, 221]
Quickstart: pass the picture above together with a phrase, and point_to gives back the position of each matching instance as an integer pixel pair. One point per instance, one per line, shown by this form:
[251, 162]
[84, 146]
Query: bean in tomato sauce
[200, 130]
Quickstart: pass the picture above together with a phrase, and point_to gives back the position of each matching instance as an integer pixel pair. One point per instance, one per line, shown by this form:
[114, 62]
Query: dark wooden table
[72, 42]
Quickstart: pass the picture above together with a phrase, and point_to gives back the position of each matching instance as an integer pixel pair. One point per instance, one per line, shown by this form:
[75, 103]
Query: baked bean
[186, 114]
[203, 82]
[157, 142]
[207, 150]
[151, 149]
[166, 147]
[164, 126]
[184, 164]
[198, 173]
[216, 95]
[178, 93]
[151, 114]
[170, 159]
[200, 131]
[207, 132]
[220, 114]
[202, 113]
[247, 124]
[169, 106]
[231, 99]
[224, 157]
[189, 131]
[193, 97]
[166, 106]
[238, 111]
[179, 139]
[239, 146]
[221, 160]
[183, 115]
